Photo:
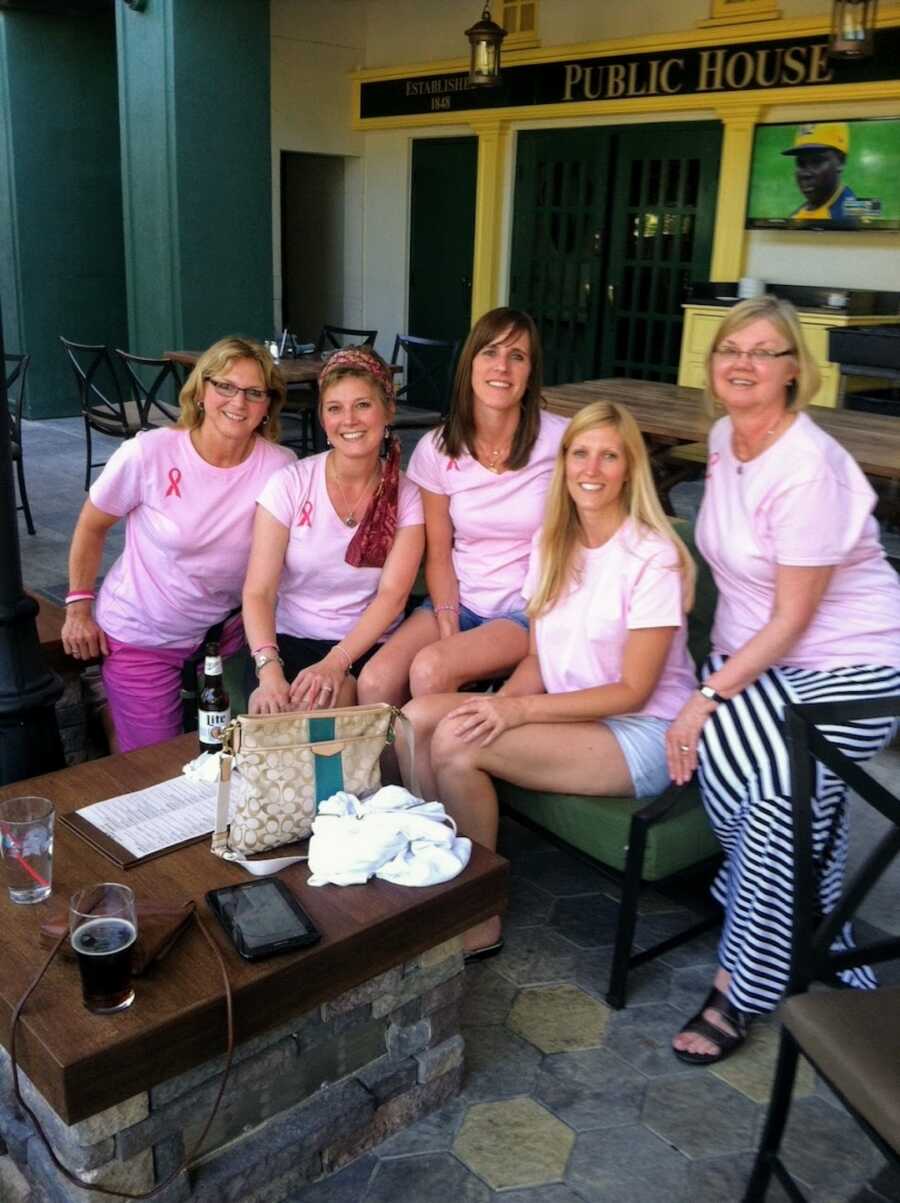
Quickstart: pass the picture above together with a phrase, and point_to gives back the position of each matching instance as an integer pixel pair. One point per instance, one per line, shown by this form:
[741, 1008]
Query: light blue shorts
[469, 620]
[643, 743]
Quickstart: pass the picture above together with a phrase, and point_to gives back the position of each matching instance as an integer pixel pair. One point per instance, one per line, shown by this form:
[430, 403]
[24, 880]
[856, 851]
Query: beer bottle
[214, 707]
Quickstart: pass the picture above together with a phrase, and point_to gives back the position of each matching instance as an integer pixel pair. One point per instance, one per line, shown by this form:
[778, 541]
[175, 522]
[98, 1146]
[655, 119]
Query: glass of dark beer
[103, 929]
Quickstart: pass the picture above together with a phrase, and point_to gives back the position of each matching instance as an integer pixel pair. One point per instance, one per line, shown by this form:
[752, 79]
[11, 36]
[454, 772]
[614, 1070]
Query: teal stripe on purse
[329, 770]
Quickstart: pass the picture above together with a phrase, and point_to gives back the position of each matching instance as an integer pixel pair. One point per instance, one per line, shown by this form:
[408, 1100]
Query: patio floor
[564, 1101]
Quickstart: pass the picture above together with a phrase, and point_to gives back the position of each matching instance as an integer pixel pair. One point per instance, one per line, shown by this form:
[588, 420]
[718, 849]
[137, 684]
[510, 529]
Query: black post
[29, 734]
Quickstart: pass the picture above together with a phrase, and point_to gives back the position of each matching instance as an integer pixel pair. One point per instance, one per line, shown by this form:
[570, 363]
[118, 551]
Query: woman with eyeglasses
[808, 611]
[188, 495]
[337, 542]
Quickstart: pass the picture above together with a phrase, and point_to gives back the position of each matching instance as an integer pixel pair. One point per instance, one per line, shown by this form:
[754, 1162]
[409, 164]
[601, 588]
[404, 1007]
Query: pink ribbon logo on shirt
[174, 478]
[305, 518]
[452, 464]
[713, 459]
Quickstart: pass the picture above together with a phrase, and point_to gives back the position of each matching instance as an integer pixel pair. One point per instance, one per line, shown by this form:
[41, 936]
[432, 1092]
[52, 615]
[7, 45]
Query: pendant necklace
[767, 435]
[350, 518]
[492, 460]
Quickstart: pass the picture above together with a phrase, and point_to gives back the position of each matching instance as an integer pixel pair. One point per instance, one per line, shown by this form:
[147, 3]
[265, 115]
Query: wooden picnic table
[668, 414]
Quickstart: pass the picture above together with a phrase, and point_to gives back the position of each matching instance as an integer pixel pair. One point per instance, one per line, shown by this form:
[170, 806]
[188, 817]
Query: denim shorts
[642, 739]
[469, 620]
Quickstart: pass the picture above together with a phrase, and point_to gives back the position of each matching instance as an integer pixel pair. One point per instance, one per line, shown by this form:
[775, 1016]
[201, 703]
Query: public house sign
[745, 67]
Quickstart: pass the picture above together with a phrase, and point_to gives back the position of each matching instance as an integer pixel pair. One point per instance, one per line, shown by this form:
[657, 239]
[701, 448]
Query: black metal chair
[149, 391]
[335, 338]
[428, 365]
[16, 371]
[100, 398]
[851, 1037]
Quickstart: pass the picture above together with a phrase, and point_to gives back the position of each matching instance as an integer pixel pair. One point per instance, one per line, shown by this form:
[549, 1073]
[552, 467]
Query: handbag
[289, 763]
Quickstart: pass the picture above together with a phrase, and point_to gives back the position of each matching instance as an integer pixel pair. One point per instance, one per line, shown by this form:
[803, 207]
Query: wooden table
[83, 1064]
[668, 414]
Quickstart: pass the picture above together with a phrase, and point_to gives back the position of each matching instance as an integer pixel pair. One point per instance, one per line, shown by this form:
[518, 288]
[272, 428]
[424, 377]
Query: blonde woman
[608, 668]
[188, 496]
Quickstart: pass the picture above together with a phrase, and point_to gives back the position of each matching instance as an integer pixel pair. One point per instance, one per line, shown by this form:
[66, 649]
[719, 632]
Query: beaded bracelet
[349, 663]
[452, 607]
[80, 595]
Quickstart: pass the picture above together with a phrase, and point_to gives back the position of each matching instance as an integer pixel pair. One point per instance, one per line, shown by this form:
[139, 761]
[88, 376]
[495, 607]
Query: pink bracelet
[263, 647]
[452, 607]
[80, 595]
[349, 663]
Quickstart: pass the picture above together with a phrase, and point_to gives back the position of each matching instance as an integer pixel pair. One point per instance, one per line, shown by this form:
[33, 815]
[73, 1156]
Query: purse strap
[118, 1192]
[265, 868]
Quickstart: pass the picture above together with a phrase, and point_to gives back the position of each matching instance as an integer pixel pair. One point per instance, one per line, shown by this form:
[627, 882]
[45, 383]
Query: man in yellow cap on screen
[820, 152]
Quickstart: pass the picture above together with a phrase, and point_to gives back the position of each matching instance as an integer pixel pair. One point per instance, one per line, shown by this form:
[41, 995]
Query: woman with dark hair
[188, 494]
[808, 611]
[337, 542]
[484, 475]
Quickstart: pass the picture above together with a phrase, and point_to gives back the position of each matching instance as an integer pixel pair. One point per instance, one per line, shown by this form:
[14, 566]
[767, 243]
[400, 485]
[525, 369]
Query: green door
[559, 237]
[610, 226]
[663, 206]
[442, 236]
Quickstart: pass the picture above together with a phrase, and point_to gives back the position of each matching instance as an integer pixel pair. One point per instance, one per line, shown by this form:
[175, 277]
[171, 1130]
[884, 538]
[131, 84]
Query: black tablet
[262, 918]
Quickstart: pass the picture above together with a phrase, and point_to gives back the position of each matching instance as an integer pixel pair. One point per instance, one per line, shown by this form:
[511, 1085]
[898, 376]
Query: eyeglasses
[759, 355]
[225, 388]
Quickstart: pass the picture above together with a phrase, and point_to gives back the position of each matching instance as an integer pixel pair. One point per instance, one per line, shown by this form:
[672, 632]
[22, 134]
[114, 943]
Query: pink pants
[143, 687]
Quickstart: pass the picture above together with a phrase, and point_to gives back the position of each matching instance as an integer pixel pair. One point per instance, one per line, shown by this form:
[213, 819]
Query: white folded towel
[392, 835]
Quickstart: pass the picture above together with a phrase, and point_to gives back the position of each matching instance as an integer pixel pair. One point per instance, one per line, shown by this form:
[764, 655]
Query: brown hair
[458, 432]
[219, 358]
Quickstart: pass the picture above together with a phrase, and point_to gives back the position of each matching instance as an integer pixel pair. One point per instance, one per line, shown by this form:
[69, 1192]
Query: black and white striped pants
[745, 782]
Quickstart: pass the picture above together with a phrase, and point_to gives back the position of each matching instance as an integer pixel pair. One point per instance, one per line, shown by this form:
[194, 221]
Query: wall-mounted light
[485, 37]
[852, 29]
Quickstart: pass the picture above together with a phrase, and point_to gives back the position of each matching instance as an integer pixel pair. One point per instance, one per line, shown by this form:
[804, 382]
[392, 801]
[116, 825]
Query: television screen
[826, 175]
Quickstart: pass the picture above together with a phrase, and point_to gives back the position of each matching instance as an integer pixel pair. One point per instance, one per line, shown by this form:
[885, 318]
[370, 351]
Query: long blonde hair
[561, 533]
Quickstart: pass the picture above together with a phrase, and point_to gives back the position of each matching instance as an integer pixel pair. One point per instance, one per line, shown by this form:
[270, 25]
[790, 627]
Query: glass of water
[26, 837]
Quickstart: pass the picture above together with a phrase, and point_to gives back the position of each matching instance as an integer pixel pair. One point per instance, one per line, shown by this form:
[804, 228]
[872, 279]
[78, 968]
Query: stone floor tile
[535, 955]
[825, 1147]
[559, 872]
[487, 997]
[559, 1019]
[347, 1186]
[627, 1165]
[498, 1064]
[886, 1184]
[591, 1089]
[434, 1133]
[434, 1178]
[514, 1144]
[646, 984]
[752, 1068]
[588, 920]
[689, 987]
[556, 1192]
[642, 1036]
[529, 905]
[650, 901]
[699, 951]
[724, 1179]
[700, 1116]
[514, 838]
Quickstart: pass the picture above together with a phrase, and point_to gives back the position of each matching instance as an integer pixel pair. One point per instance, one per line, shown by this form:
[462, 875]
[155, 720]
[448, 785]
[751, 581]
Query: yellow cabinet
[702, 321]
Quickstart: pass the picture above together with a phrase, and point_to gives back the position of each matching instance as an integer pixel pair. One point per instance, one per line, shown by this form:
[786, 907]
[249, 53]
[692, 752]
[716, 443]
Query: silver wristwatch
[710, 694]
[261, 659]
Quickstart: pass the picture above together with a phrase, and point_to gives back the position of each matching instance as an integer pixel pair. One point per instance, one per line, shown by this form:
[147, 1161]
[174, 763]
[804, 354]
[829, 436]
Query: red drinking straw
[33, 873]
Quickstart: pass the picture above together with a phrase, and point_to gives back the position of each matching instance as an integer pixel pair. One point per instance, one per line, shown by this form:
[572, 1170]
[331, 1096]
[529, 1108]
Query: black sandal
[726, 1042]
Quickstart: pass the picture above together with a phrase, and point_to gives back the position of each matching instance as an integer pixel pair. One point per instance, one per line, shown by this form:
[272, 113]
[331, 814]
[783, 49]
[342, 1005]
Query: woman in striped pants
[809, 611]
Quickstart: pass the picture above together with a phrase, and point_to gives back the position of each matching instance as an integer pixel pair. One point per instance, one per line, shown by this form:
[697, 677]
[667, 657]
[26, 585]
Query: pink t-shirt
[320, 595]
[803, 502]
[630, 583]
[493, 516]
[187, 536]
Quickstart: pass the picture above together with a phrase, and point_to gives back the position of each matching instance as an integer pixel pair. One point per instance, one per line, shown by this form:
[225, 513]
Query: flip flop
[483, 954]
[726, 1042]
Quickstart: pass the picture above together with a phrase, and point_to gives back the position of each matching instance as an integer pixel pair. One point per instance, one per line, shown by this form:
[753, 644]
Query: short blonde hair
[219, 358]
[561, 532]
[783, 316]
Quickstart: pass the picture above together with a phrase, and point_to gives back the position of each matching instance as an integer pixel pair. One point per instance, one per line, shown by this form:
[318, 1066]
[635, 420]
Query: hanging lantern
[853, 29]
[485, 37]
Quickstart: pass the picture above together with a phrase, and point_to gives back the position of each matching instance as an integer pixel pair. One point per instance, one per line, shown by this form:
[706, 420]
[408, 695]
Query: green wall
[62, 265]
[194, 94]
